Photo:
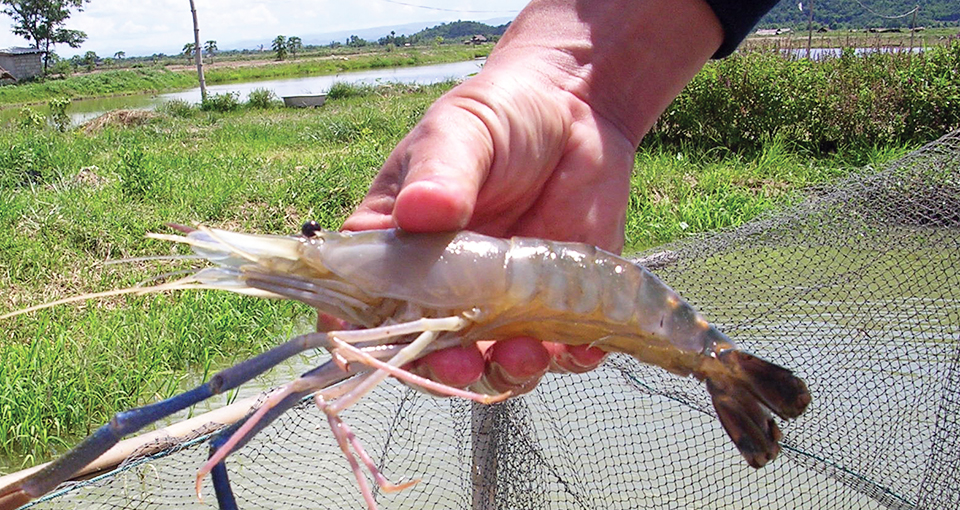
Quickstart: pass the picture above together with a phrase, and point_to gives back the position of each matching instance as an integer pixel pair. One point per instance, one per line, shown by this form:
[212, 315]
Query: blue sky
[145, 27]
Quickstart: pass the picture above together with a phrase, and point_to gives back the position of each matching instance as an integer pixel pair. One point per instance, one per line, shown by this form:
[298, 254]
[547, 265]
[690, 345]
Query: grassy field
[73, 200]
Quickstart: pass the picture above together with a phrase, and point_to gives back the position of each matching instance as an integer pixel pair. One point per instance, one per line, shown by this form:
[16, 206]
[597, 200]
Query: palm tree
[90, 59]
[280, 47]
[119, 55]
[294, 45]
[210, 47]
[188, 50]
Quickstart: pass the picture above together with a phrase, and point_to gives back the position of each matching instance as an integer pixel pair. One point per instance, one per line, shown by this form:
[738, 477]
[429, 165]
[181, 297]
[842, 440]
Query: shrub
[262, 98]
[177, 108]
[852, 100]
[226, 102]
[342, 90]
[58, 113]
[30, 118]
[138, 176]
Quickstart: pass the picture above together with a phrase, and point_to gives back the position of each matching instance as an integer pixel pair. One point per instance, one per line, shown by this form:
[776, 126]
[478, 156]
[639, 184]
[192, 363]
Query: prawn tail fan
[745, 389]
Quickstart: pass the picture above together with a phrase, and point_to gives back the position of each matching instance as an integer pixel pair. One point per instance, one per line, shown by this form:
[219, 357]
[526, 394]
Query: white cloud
[144, 27]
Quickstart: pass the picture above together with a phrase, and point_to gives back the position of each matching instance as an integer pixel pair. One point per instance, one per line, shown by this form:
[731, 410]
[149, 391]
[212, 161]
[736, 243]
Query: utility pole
[913, 27]
[198, 52]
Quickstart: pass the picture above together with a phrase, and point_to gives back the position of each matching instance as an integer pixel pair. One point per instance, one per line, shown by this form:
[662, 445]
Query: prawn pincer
[410, 294]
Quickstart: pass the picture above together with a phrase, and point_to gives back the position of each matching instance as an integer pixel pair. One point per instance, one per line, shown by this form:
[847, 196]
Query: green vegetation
[226, 102]
[263, 99]
[97, 84]
[878, 99]
[454, 32]
[836, 14]
[279, 47]
[74, 199]
[460, 30]
[677, 192]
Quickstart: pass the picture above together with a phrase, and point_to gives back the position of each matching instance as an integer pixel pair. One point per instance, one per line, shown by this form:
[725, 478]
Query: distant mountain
[461, 30]
[836, 14]
[375, 33]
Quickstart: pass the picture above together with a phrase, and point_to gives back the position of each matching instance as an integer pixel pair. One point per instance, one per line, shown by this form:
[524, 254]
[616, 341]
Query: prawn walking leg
[345, 439]
[302, 386]
[403, 328]
[428, 329]
[399, 373]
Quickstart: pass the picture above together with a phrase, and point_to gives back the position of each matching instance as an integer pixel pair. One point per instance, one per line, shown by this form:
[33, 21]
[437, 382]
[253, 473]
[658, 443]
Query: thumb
[444, 162]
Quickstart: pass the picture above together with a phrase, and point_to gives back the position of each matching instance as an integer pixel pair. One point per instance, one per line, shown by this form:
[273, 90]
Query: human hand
[541, 144]
[506, 155]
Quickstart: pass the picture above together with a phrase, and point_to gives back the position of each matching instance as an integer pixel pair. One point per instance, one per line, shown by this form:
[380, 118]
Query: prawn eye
[310, 228]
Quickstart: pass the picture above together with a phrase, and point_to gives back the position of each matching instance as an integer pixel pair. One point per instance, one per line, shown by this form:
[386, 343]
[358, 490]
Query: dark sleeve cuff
[737, 19]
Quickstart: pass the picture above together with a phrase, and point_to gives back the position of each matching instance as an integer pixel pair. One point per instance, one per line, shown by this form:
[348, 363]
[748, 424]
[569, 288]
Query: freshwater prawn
[407, 295]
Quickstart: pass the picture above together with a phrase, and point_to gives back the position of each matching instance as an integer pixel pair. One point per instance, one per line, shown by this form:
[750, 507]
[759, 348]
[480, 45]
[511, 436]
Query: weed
[177, 108]
[97, 84]
[30, 118]
[58, 113]
[343, 90]
[880, 98]
[226, 102]
[138, 177]
[262, 99]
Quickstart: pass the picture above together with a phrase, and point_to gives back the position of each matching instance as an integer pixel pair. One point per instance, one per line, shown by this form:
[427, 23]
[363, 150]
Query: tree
[42, 23]
[120, 55]
[210, 48]
[355, 41]
[90, 60]
[188, 50]
[280, 47]
[294, 45]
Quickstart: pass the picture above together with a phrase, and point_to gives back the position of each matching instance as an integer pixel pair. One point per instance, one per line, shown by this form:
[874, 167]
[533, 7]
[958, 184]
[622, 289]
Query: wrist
[626, 59]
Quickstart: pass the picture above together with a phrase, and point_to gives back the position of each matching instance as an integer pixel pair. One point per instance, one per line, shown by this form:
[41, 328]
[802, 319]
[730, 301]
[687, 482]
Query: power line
[898, 16]
[431, 8]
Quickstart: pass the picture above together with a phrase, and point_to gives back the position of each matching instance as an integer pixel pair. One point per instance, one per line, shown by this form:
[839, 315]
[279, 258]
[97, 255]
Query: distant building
[773, 31]
[476, 39]
[21, 63]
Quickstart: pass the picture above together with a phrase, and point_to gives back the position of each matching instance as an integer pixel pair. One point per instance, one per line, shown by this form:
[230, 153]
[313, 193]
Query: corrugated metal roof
[18, 51]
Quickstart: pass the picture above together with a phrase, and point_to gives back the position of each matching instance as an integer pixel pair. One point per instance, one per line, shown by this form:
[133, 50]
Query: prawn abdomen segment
[442, 271]
[602, 298]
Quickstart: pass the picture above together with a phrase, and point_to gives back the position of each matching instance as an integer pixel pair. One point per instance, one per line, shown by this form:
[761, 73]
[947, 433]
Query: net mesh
[856, 288]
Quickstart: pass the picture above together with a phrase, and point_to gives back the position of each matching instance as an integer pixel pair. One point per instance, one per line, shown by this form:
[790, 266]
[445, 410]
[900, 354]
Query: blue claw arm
[221, 481]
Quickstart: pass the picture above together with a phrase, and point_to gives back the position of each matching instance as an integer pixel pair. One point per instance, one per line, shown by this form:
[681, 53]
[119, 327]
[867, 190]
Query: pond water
[83, 110]
[825, 53]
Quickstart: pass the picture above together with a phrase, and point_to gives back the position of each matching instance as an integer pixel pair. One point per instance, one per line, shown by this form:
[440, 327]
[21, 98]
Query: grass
[97, 84]
[675, 193]
[74, 199]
